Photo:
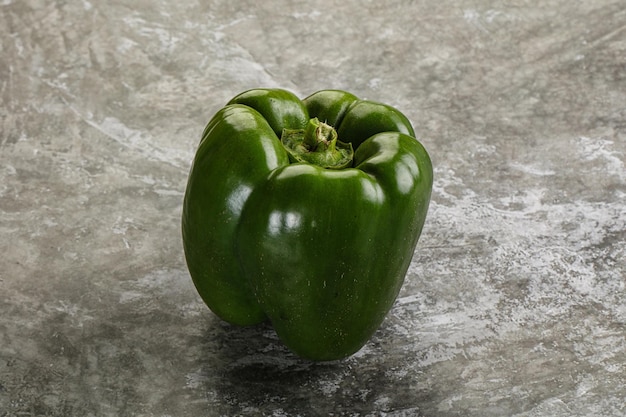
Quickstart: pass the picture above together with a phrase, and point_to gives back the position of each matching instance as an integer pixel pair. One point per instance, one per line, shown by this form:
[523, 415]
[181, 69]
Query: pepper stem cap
[317, 144]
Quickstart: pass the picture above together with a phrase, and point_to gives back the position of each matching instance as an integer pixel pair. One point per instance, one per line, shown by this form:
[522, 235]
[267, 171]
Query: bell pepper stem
[317, 144]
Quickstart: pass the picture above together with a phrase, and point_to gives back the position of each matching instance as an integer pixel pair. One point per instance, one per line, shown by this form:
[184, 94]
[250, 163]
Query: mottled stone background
[515, 302]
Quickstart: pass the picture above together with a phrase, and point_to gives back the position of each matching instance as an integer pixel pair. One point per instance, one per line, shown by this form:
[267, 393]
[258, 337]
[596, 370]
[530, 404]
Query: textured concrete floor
[515, 302]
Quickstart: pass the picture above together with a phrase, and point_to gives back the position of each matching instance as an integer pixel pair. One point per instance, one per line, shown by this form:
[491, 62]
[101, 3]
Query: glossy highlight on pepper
[305, 213]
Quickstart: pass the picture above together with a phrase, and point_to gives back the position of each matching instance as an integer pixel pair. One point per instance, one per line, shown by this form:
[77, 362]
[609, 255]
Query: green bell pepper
[306, 213]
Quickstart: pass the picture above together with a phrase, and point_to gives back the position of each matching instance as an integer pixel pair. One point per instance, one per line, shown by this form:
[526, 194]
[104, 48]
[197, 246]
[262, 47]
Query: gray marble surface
[515, 301]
